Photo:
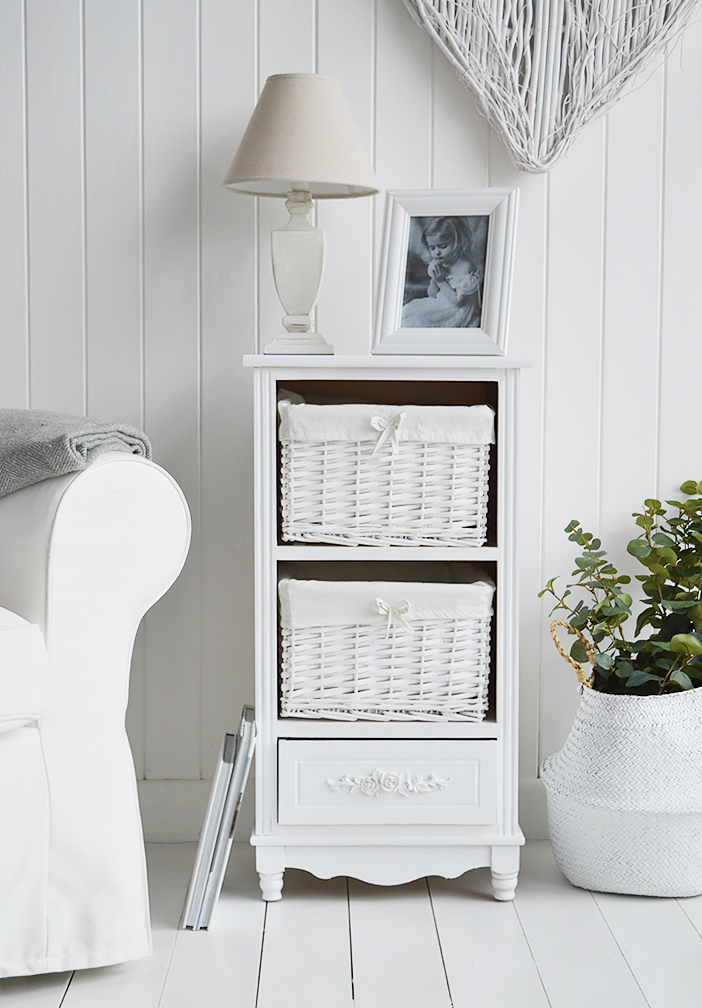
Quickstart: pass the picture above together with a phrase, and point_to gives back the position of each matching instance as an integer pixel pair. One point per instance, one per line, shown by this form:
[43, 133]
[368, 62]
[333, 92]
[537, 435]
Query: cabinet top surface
[387, 362]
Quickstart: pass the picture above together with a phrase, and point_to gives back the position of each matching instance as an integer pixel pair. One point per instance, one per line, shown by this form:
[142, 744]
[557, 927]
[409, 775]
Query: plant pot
[625, 794]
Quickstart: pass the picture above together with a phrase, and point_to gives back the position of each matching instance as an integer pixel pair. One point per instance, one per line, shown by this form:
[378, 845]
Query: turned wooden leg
[271, 886]
[504, 885]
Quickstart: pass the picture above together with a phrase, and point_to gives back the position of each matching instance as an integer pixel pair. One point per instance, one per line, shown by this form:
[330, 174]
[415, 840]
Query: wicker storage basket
[385, 651]
[366, 474]
[625, 794]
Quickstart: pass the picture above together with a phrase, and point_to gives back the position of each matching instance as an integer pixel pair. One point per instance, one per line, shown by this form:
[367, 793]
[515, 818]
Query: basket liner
[470, 425]
[312, 603]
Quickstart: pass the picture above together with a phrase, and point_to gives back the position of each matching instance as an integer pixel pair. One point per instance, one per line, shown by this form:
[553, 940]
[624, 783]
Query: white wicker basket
[625, 794]
[384, 475]
[385, 651]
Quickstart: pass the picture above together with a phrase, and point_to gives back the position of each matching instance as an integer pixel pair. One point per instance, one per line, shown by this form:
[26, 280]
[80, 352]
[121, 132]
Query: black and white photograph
[445, 272]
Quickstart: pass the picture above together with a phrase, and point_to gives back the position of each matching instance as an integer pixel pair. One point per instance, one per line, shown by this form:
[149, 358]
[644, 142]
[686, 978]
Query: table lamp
[301, 144]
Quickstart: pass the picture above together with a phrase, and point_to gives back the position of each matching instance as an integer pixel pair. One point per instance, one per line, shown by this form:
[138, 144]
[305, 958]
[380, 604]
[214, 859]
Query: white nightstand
[469, 822]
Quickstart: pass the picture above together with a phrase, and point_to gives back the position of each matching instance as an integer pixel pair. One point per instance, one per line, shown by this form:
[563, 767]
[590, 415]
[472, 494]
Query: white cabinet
[387, 800]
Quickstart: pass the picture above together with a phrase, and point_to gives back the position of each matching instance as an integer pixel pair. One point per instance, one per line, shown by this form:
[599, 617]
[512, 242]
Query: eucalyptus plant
[665, 654]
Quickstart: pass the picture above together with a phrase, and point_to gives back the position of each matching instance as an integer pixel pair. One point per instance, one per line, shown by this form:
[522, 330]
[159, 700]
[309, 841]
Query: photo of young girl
[445, 272]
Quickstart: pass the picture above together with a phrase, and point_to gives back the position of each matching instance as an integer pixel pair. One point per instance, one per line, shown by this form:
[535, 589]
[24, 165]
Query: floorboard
[306, 949]
[436, 944]
[661, 945]
[692, 908]
[396, 956]
[488, 960]
[578, 960]
[219, 966]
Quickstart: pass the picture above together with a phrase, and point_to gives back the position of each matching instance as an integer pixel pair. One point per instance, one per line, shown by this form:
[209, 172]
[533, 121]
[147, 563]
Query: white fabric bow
[388, 429]
[395, 614]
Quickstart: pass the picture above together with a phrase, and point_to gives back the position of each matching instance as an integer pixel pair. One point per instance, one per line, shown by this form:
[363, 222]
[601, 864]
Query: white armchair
[82, 557]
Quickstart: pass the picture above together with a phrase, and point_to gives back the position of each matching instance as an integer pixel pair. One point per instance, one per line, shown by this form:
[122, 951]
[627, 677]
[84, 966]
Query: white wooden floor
[435, 944]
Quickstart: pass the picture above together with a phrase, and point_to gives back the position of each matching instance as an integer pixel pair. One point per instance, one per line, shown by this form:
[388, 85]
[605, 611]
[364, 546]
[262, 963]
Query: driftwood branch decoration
[541, 69]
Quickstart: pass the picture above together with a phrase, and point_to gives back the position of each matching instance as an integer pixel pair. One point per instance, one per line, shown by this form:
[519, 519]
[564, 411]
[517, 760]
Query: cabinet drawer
[387, 781]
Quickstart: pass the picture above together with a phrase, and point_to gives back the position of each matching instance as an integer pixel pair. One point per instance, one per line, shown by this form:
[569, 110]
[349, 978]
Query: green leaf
[644, 619]
[578, 652]
[623, 669]
[666, 555]
[685, 644]
[661, 539]
[639, 677]
[604, 660]
[638, 548]
[690, 487]
[682, 679]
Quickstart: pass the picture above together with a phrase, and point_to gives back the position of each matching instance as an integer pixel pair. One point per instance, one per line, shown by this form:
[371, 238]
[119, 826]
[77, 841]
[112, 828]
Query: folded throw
[38, 444]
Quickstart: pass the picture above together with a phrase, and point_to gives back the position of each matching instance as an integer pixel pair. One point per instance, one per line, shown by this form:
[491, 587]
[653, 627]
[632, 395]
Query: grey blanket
[38, 444]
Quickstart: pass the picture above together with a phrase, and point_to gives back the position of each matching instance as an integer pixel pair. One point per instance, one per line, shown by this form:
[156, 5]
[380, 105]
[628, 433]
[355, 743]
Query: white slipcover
[82, 557]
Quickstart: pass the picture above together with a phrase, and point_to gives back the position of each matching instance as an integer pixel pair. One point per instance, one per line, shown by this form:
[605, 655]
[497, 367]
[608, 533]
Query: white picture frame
[421, 226]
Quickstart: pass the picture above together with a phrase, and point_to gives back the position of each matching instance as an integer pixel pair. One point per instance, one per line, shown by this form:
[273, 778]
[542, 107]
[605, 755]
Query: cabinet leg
[271, 886]
[504, 884]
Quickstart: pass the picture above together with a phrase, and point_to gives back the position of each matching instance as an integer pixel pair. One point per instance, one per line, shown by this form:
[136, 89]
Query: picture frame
[445, 277]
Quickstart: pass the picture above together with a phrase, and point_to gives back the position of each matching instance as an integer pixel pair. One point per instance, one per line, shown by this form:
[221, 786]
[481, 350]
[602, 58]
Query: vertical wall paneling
[113, 210]
[460, 147]
[680, 447]
[228, 330]
[403, 103]
[172, 366]
[14, 375]
[572, 422]
[286, 44]
[345, 41]
[527, 338]
[633, 245]
[56, 204]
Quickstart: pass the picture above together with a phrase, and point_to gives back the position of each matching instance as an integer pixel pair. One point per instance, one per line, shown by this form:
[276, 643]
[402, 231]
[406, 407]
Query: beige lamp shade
[302, 138]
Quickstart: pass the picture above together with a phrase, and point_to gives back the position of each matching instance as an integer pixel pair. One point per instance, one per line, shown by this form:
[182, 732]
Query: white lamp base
[297, 252]
[299, 343]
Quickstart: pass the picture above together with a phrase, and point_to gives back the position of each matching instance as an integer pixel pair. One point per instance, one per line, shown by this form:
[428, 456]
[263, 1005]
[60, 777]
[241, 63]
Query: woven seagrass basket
[381, 475]
[625, 794]
[372, 651]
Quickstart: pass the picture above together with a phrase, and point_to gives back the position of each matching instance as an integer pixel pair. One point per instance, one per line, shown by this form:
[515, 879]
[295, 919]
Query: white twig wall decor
[541, 69]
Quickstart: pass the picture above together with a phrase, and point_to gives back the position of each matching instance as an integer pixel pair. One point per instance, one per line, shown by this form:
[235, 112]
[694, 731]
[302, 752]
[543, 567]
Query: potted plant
[625, 791]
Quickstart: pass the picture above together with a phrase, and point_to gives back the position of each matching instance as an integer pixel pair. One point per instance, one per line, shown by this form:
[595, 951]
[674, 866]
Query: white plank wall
[131, 284]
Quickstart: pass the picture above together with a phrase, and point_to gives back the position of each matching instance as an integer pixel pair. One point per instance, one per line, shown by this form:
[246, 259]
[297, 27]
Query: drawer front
[388, 781]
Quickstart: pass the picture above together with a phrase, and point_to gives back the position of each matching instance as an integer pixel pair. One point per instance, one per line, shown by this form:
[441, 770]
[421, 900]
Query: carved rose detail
[370, 785]
[389, 781]
[392, 782]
